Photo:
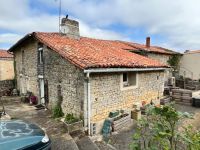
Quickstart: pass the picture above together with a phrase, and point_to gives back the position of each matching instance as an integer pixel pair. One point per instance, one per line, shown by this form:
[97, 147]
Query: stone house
[154, 52]
[6, 66]
[93, 76]
[189, 64]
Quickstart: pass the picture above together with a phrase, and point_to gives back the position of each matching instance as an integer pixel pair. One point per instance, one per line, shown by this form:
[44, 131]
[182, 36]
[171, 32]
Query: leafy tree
[159, 129]
[174, 62]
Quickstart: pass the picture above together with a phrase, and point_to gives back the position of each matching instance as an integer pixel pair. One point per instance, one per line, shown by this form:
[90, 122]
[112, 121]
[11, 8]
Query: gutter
[88, 102]
[121, 70]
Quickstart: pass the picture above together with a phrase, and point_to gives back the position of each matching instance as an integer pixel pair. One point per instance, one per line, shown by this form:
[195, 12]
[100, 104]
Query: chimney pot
[148, 42]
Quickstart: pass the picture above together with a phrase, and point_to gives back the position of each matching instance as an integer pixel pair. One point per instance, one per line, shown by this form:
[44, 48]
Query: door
[23, 85]
[42, 99]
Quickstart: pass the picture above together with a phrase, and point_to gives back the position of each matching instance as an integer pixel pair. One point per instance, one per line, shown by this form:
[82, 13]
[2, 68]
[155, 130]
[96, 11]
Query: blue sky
[171, 24]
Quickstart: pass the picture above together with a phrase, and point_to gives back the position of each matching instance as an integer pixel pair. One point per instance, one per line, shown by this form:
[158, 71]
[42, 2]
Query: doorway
[41, 85]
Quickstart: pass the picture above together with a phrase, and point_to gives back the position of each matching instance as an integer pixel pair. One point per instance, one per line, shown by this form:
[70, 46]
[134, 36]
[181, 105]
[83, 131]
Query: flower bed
[72, 123]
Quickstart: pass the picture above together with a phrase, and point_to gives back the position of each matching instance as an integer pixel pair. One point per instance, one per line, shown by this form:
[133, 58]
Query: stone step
[104, 146]
[86, 143]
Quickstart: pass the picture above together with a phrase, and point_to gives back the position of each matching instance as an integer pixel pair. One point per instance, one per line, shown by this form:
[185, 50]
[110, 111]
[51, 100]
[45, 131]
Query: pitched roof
[192, 52]
[153, 49]
[94, 53]
[5, 54]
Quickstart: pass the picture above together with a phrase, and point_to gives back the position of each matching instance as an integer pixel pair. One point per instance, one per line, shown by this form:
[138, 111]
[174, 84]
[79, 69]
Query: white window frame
[128, 87]
[41, 59]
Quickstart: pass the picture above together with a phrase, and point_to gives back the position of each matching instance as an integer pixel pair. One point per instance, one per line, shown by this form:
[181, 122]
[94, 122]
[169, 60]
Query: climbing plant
[174, 62]
[57, 110]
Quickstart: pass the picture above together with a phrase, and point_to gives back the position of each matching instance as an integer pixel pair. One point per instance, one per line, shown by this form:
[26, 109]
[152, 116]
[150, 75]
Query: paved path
[55, 130]
[86, 144]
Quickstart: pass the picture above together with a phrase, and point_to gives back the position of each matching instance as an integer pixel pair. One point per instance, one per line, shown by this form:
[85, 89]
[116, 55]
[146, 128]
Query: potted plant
[72, 123]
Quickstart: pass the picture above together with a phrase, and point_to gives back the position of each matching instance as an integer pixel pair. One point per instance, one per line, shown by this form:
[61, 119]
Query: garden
[162, 128]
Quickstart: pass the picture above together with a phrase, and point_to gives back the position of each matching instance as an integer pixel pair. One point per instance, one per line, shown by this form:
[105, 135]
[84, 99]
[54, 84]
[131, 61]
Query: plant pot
[76, 126]
[136, 115]
[121, 122]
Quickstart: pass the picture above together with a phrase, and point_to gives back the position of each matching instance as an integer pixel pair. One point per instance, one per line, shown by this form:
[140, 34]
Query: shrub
[191, 138]
[70, 118]
[57, 112]
[158, 130]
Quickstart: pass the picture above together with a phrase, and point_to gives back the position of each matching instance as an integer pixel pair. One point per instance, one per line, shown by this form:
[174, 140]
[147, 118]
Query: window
[40, 53]
[129, 80]
[22, 57]
[125, 78]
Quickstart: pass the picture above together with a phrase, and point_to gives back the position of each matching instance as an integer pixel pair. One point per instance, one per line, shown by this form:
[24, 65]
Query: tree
[159, 130]
[174, 62]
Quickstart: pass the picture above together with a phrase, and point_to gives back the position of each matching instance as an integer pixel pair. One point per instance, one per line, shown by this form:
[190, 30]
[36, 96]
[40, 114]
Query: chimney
[148, 42]
[70, 28]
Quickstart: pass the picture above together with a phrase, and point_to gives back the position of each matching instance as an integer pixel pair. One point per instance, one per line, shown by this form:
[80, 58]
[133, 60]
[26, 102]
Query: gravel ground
[123, 138]
[195, 122]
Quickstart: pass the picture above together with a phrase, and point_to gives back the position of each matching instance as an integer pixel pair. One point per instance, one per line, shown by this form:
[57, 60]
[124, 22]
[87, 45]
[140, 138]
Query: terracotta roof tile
[5, 54]
[95, 53]
[153, 49]
[192, 52]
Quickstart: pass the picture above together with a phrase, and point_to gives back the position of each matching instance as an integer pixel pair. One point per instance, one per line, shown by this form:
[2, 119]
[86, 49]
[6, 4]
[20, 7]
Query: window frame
[122, 87]
[40, 54]
[125, 82]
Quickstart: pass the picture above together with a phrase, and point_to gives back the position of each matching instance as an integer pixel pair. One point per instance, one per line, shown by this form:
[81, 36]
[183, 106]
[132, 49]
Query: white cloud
[24, 21]
[177, 21]
[94, 32]
[9, 38]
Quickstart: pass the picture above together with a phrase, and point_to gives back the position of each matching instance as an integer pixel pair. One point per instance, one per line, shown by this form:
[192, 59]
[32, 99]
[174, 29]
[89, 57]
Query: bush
[70, 118]
[191, 137]
[57, 112]
[158, 130]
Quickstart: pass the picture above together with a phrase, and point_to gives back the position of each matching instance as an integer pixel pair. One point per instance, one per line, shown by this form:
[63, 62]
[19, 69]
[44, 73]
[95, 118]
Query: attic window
[129, 80]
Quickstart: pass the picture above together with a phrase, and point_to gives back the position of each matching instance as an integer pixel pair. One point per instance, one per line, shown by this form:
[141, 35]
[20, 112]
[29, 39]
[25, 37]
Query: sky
[173, 24]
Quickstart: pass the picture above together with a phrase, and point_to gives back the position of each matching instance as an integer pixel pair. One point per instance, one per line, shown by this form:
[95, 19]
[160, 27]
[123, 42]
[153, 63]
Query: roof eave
[19, 42]
[104, 70]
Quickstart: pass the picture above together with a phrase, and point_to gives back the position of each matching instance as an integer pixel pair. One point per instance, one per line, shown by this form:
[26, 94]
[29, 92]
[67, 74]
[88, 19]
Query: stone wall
[26, 72]
[6, 85]
[160, 57]
[58, 71]
[6, 69]
[163, 59]
[106, 95]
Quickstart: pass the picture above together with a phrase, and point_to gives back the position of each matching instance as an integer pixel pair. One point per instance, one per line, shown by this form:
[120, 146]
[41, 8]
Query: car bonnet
[15, 134]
